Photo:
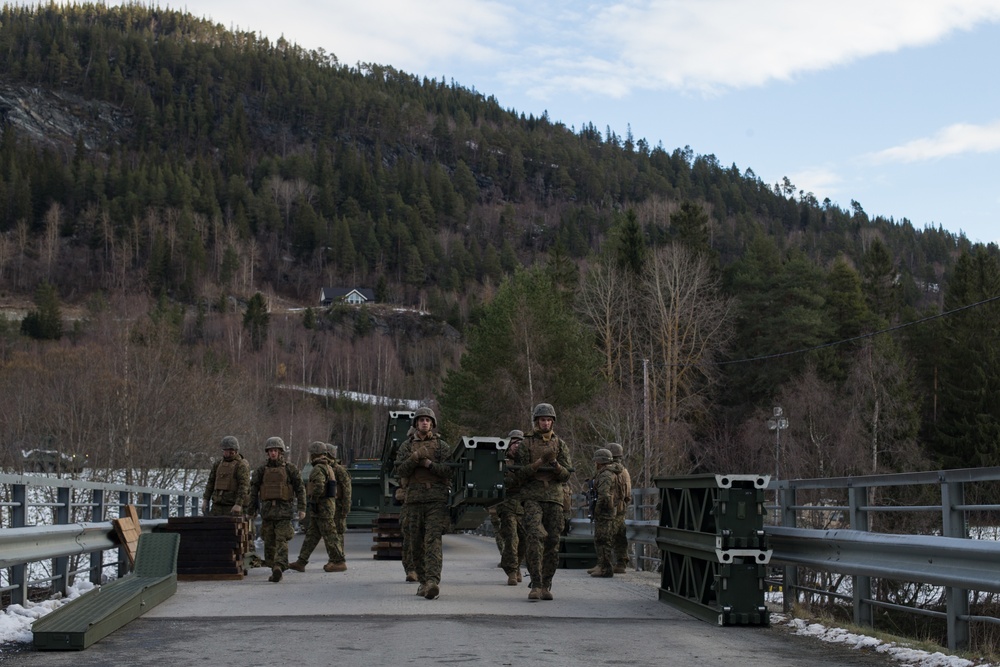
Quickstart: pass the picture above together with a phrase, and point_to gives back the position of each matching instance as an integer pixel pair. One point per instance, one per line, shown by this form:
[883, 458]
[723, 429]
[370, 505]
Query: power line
[862, 336]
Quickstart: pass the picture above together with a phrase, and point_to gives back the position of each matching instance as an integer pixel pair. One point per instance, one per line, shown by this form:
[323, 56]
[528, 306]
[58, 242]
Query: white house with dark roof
[355, 296]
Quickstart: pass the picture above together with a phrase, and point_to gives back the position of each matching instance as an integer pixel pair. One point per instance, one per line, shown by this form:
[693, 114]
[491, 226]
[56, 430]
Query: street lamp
[777, 423]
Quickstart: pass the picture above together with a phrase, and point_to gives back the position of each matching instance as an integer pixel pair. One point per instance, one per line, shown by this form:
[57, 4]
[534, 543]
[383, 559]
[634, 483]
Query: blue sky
[892, 103]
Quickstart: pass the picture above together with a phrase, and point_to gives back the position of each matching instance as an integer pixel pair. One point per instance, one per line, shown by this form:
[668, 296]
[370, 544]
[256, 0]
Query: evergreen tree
[45, 321]
[256, 321]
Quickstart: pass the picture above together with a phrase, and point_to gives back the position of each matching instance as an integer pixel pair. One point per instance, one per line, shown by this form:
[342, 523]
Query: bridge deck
[368, 615]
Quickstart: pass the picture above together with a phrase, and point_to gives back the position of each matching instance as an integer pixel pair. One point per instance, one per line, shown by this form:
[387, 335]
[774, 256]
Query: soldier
[422, 460]
[509, 527]
[541, 467]
[228, 483]
[321, 498]
[278, 491]
[604, 514]
[624, 481]
[343, 496]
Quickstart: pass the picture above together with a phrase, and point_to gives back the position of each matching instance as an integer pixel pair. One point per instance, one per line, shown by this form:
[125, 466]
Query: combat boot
[596, 568]
[619, 569]
[518, 576]
[298, 566]
[422, 590]
[275, 574]
[432, 592]
[535, 594]
[512, 579]
[411, 577]
[605, 572]
[546, 594]
[334, 567]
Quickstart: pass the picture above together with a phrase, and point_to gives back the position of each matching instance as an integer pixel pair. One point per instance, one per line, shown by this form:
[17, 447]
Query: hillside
[176, 194]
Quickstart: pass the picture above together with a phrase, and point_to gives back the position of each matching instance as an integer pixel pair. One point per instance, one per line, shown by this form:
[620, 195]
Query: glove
[549, 455]
[302, 515]
[237, 509]
[204, 506]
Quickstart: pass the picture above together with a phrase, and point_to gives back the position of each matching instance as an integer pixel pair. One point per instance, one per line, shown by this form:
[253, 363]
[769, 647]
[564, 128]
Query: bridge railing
[53, 529]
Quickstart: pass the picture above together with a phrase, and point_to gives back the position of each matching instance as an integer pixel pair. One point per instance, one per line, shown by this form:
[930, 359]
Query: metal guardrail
[53, 529]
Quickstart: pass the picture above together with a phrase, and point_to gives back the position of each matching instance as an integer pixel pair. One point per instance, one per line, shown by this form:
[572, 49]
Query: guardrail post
[954, 525]
[857, 501]
[123, 562]
[790, 584]
[96, 557]
[60, 565]
[18, 516]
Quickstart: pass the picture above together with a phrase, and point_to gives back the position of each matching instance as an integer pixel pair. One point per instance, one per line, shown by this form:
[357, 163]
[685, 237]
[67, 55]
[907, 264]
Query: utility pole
[777, 424]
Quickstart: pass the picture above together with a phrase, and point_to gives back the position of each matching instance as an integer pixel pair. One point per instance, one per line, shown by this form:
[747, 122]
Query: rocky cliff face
[55, 119]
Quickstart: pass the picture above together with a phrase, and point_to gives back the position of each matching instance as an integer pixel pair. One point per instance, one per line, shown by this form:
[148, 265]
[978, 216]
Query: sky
[894, 104]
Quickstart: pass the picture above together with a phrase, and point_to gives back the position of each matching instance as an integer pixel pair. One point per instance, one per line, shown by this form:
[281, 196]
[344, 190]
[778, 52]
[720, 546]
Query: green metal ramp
[96, 614]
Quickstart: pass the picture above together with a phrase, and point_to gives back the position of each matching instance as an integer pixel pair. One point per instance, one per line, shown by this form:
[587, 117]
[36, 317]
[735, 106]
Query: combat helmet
[331, 450]
[424, 411]
[275, 442]
[230, 442]
[543, 410]
[602, 456]
[516, 434]
[316, 448]
[617, 451]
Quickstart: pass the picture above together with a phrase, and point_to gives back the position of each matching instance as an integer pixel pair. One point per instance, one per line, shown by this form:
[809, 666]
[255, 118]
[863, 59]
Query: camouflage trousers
[407, 549]
[511, 540]
[276, 533]
[543, 523]
[220, 510]
[604, 535]
[324, 528]
[425, 523]
[620, 542]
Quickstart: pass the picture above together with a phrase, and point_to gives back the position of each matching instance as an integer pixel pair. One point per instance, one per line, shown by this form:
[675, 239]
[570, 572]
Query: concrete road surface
[368, 615]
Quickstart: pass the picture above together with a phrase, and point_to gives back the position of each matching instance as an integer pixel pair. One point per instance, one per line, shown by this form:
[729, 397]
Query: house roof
[334, 293]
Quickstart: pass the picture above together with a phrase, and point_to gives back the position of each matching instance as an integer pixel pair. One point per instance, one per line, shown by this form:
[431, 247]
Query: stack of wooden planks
[212, 547]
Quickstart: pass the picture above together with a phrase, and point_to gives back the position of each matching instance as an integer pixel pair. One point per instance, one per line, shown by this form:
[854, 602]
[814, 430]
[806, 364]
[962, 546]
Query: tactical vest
[620, 493]
[329, 490]
[274, 485]
[539, 448]
[422, 475]
[225, 476]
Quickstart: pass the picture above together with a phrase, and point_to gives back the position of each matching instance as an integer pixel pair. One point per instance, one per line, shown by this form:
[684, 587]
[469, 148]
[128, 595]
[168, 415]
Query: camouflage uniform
[604, 514]
[228, 483]
[322, 523]
[541, 468]
[508, 524]
[421, 460]
[409, 566]
[278, 496]
[620, 540]
[344, 493]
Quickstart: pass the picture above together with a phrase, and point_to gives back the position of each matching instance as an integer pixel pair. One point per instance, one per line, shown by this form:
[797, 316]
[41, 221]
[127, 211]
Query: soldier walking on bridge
[624, 481]
[541, 467]
[604, 514]
[422, 461]
[344, 495]
[321, 497]
[509, 528]
[278, 491]
[228, 482]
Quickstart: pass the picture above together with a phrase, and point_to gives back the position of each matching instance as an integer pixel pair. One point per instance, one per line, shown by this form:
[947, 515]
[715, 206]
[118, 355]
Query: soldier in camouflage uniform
[228, 483]
[422, 461]
[344, 494]
[604, 514]
[541, 467]
[278, 491]
[510, 535]
[321, 499]
[620, 541]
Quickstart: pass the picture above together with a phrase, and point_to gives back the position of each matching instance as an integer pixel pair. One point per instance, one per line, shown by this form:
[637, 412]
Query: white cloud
[958, 139]
[823, 182]
[708, 46]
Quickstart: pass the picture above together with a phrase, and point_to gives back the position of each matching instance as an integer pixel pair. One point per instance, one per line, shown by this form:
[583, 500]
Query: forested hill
[151, 154]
